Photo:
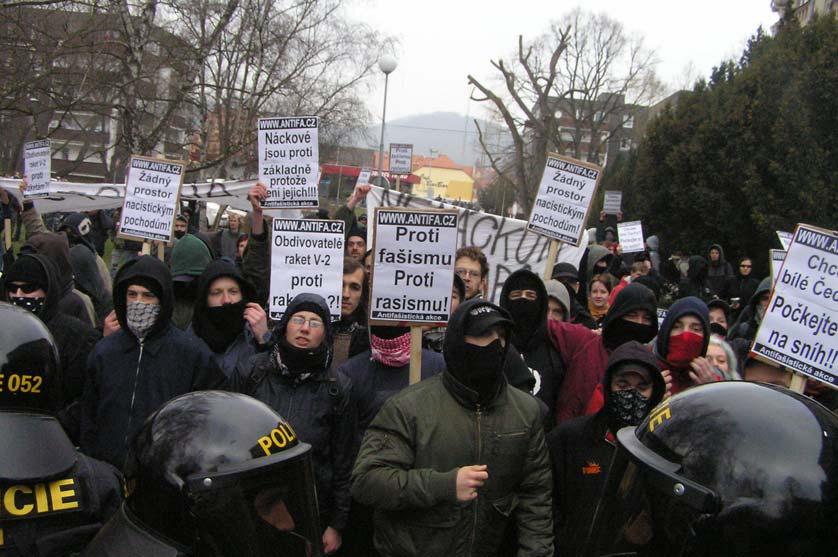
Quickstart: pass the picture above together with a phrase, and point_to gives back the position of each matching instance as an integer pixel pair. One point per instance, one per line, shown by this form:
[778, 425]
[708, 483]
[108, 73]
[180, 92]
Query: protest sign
[413, 265]
[564, 196]
[363, 177]
[306, 256]
[151, 199]
[630, 235]
[36, 168]
[612, 201]
[800, 326]
[288, 162]
[785, 239]
[401, 158]
[662, 315]
[505, 242]
[777, 258]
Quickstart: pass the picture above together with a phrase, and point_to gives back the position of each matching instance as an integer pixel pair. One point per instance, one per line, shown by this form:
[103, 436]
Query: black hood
[86, 272]
[632, 297]
[636, 352]
[764, 286]
[57, 249]
[79, 227]
[525, 335]
[685, 306]
[721, 261]
[151, 269]
[54, 291]
[217, 269]
[312, 302]
[697, 268]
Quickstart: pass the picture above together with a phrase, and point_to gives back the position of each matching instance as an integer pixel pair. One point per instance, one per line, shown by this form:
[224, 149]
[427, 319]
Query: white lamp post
[386, 64]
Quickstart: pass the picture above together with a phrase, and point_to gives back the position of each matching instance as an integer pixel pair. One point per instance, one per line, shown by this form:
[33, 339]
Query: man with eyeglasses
[473, 268]
[294, 377]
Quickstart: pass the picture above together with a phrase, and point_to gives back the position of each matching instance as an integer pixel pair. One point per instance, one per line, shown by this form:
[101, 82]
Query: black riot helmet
[34, 444]
[225, 475]
[726, 469]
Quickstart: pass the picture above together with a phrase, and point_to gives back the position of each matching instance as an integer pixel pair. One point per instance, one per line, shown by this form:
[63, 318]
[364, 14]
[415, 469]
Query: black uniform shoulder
[122, 536]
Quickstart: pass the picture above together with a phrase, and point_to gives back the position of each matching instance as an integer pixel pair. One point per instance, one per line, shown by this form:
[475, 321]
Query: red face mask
[684, 348]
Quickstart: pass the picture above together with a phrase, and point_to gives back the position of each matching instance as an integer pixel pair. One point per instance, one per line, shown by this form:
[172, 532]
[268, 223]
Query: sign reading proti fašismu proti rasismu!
[288, 161]
[413, 265]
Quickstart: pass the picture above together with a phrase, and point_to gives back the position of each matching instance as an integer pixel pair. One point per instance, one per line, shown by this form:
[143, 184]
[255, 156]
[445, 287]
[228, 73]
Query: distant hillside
[445, 133]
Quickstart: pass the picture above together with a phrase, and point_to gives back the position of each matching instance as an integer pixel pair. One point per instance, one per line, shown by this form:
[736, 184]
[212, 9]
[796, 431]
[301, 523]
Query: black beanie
[28, 270]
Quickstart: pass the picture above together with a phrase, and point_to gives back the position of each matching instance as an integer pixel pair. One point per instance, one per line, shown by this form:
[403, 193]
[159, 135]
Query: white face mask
[141, 317]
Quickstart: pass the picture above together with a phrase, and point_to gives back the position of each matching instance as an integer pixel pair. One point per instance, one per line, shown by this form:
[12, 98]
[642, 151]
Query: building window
[625, 144]
[628, 121]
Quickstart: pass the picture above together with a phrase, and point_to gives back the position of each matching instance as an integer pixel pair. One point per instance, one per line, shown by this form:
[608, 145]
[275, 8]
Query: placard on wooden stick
[152, 195]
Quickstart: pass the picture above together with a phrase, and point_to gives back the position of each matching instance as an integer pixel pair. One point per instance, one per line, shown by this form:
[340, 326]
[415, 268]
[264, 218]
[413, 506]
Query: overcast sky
[443, 41]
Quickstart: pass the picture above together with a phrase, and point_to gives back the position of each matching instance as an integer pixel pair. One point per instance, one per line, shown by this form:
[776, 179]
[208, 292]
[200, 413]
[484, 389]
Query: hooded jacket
[321, 406]
[719, 272]
[190, 258]
[696, 283]
[407, 466]
[581, 450]
[245, 345]
[531, 340]
[685, 306]
[742, 287]
[74, 340]
[128, 379]
[743, 332]
[584, 354]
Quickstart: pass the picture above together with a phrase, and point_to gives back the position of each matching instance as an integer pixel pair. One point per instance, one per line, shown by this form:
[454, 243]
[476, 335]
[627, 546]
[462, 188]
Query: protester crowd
[502, 448]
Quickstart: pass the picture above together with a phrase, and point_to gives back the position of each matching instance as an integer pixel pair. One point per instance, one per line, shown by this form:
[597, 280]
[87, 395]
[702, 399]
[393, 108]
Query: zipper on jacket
[477, 416]
[131, 406]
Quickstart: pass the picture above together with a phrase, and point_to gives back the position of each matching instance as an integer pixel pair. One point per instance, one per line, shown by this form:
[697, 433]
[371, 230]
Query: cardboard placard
[36, 167]
[612, 201]
[401, 158]
[785, 239]
[630, 235]
[800, 326]
[288, 161]
[152, 191]
[413, 265]
[306, 256]
[564, 197]
[777, 258]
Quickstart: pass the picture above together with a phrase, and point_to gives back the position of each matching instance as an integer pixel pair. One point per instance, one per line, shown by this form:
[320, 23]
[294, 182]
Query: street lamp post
[386, 64]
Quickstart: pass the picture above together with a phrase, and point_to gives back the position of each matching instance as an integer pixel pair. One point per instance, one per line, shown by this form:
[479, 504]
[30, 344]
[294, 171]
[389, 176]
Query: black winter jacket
[127, 380]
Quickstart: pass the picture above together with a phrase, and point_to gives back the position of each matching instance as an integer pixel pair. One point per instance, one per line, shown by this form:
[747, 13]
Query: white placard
[800, 327]
[151, 199]
[777, 258]
[401, 158]
[785, 239]
[612, 201]
[36, 168]
[413, 265]
[306, 256]
[288, 161]
[661, 316]
[564, 197]
[630, 235]
[363, 177]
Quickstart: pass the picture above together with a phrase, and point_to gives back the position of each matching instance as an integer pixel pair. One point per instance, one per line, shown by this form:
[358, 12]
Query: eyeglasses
[26, 288]
[465, 273]
[313, 323]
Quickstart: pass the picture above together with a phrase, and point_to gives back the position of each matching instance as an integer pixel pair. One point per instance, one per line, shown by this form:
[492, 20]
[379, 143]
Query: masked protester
[453, 462]
[216, 475]
[131, 372]
[585, 353]
[719, 316]
[31, 283]
[682, 344]
[743, 332]
[295, 376]
[581, 449]
[524, 296]
[89, 270]
[54, 498]
[190, 258]
[227, 318]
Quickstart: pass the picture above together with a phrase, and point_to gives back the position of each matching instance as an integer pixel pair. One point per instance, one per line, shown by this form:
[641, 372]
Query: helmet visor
[266, 511]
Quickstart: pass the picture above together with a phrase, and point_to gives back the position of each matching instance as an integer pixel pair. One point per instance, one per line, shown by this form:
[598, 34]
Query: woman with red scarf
[682, 342]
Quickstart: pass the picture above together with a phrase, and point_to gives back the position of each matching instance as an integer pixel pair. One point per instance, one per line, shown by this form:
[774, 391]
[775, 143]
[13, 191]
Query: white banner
[401, 158]
[785, 239]
[151, 203]
[289, 161]
[612, 201]
[630, 236]
[413, 265]
[505, 242]
[777, 258]
[800, 327]
[306, 256]
[36, 167]
[564, 197]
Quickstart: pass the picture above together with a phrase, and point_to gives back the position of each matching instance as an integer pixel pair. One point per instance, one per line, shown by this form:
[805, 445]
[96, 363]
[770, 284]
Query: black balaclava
[616, 330]
[526, 314]
[224, 323]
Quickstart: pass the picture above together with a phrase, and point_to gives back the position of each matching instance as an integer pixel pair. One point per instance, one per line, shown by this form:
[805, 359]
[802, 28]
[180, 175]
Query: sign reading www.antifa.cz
[561, 207]
[800, 327]
[151, 199]
[288, 162]
[413, 265]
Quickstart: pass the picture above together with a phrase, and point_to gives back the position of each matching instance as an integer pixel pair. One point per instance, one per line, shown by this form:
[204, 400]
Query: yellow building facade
[452, 184]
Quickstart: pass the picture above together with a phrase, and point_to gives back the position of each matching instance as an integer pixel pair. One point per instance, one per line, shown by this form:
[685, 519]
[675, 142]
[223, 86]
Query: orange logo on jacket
[592, 469]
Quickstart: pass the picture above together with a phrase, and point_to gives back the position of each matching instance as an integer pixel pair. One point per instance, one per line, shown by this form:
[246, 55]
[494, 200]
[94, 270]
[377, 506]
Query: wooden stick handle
[798, 383]
[415, 354]
[551, 259]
